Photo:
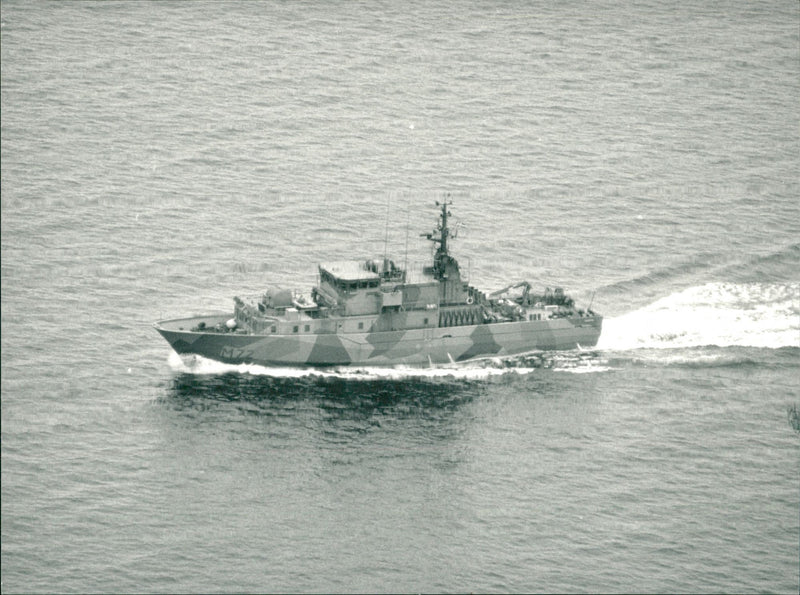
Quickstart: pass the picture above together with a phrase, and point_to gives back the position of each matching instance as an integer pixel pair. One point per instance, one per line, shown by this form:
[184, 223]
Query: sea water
[158, 159]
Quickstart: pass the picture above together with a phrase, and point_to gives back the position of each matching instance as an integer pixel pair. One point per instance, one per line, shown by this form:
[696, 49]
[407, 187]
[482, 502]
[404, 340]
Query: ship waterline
[412, 347]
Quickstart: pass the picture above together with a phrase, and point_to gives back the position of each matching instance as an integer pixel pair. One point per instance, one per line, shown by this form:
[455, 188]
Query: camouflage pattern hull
[412, 347]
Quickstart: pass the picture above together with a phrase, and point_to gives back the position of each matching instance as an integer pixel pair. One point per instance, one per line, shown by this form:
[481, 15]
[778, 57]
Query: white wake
[473, 370]
[720, 314]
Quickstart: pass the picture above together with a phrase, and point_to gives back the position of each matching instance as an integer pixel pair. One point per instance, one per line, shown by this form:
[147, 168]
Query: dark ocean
[159, 158]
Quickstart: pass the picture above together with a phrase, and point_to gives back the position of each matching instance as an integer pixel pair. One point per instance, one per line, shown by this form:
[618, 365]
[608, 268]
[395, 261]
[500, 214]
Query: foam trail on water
[721, 314]
[472, 371]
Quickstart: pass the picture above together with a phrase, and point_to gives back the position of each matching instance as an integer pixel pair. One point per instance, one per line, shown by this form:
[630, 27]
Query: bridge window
[425, 321]
[273, 329]
[360, 326]
[306, 328]
[295, 329]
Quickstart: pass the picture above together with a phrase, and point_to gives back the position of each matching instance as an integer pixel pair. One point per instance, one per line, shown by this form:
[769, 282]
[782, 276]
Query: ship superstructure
[374, 312]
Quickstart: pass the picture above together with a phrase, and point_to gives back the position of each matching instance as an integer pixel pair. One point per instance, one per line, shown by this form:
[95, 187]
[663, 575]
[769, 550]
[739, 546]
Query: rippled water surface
[158, 159]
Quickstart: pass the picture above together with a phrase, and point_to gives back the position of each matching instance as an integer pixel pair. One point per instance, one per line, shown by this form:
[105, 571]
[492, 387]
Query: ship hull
[412, 347]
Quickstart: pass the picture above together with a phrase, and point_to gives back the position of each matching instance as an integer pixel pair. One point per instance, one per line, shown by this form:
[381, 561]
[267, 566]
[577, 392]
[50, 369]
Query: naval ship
[376, 313]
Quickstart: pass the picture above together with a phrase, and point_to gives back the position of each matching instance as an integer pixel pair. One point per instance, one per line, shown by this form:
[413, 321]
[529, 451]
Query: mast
[444, 229]
[439, 236]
